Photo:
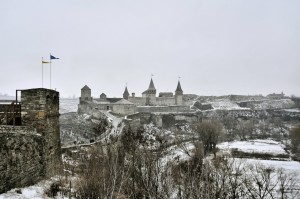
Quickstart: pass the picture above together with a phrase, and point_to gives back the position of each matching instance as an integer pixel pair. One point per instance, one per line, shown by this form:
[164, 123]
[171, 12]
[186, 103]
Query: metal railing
[12, 115]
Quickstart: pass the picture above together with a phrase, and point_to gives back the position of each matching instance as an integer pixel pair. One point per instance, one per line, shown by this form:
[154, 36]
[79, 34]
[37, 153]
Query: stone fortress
[128, 105]
[30, 147]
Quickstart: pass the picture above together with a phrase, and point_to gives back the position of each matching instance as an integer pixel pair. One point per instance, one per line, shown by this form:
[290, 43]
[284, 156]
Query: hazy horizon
[217, 47]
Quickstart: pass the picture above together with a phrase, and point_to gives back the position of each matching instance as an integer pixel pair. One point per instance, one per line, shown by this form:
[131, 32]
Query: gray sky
[217, 46]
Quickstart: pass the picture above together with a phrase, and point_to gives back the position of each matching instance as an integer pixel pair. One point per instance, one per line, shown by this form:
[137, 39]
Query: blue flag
[52, 57]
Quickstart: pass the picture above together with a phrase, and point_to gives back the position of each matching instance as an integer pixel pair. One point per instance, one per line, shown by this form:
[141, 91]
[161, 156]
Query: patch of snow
[293, 110]
[255, 146]
[225, 104]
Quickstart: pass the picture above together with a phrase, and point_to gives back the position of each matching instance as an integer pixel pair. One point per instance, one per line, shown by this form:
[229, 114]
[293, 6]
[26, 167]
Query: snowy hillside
[255, 146]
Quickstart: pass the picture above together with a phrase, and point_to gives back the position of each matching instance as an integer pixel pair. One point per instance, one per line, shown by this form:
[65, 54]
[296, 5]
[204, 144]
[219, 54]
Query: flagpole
[50, 70]
[42, 73]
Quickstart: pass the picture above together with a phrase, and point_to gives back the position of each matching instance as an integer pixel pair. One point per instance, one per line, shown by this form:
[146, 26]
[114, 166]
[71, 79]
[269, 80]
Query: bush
[54, 188]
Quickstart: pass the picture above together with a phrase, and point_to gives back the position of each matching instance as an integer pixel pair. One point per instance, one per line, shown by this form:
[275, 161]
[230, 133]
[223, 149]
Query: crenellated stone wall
[22, 157]
[165, 101]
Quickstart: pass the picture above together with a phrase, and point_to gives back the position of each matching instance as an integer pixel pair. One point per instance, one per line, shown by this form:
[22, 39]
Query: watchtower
[86, 94]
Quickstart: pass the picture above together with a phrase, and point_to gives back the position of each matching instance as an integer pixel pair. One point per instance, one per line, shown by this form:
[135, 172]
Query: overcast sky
[217, 47]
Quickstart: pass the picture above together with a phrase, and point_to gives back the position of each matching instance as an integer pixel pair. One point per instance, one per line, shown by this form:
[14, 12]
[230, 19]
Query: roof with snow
[124, 101]
[113, 100]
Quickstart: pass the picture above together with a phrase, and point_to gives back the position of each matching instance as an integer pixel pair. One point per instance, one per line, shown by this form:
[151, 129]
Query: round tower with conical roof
[178, 95]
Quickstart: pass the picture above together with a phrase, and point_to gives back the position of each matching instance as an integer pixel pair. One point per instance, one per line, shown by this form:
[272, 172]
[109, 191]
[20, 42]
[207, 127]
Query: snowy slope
[255, 146]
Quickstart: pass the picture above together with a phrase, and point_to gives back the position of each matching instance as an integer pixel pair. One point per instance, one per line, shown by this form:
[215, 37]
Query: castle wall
[172, 109]
[165, 101]
[165, 120]
[22, 157]
[138, 101]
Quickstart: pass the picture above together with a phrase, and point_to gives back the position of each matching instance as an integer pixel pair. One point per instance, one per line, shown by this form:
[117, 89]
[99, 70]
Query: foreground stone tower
[150, 94]
[41, 108]
[178, 95]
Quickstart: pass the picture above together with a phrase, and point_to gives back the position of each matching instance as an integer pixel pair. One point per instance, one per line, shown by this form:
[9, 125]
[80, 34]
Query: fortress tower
[41, 112]
[85, 94]
[178, 95]
[150, 94]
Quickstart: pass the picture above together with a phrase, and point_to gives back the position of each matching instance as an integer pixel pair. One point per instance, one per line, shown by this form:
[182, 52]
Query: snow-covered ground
[275, 104]
[36, 191]
[225, 104]
[255, 146]
[264, 147]
[292, 167]
[178, 153]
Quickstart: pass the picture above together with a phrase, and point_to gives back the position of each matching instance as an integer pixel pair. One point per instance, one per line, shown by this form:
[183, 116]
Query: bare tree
[287, 185]
[259, 182]
[230, 124]
[295, 139]
[245, 129]
[209, 131]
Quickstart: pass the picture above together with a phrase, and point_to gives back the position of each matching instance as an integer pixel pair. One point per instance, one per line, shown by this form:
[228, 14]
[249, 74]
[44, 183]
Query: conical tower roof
[151, 86]
[126, 91]
[151, 89]
[178, 89]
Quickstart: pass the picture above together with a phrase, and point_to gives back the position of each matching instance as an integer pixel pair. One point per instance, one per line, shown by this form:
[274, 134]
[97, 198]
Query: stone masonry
[22, 157]
[32, 151]
[41, 108]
